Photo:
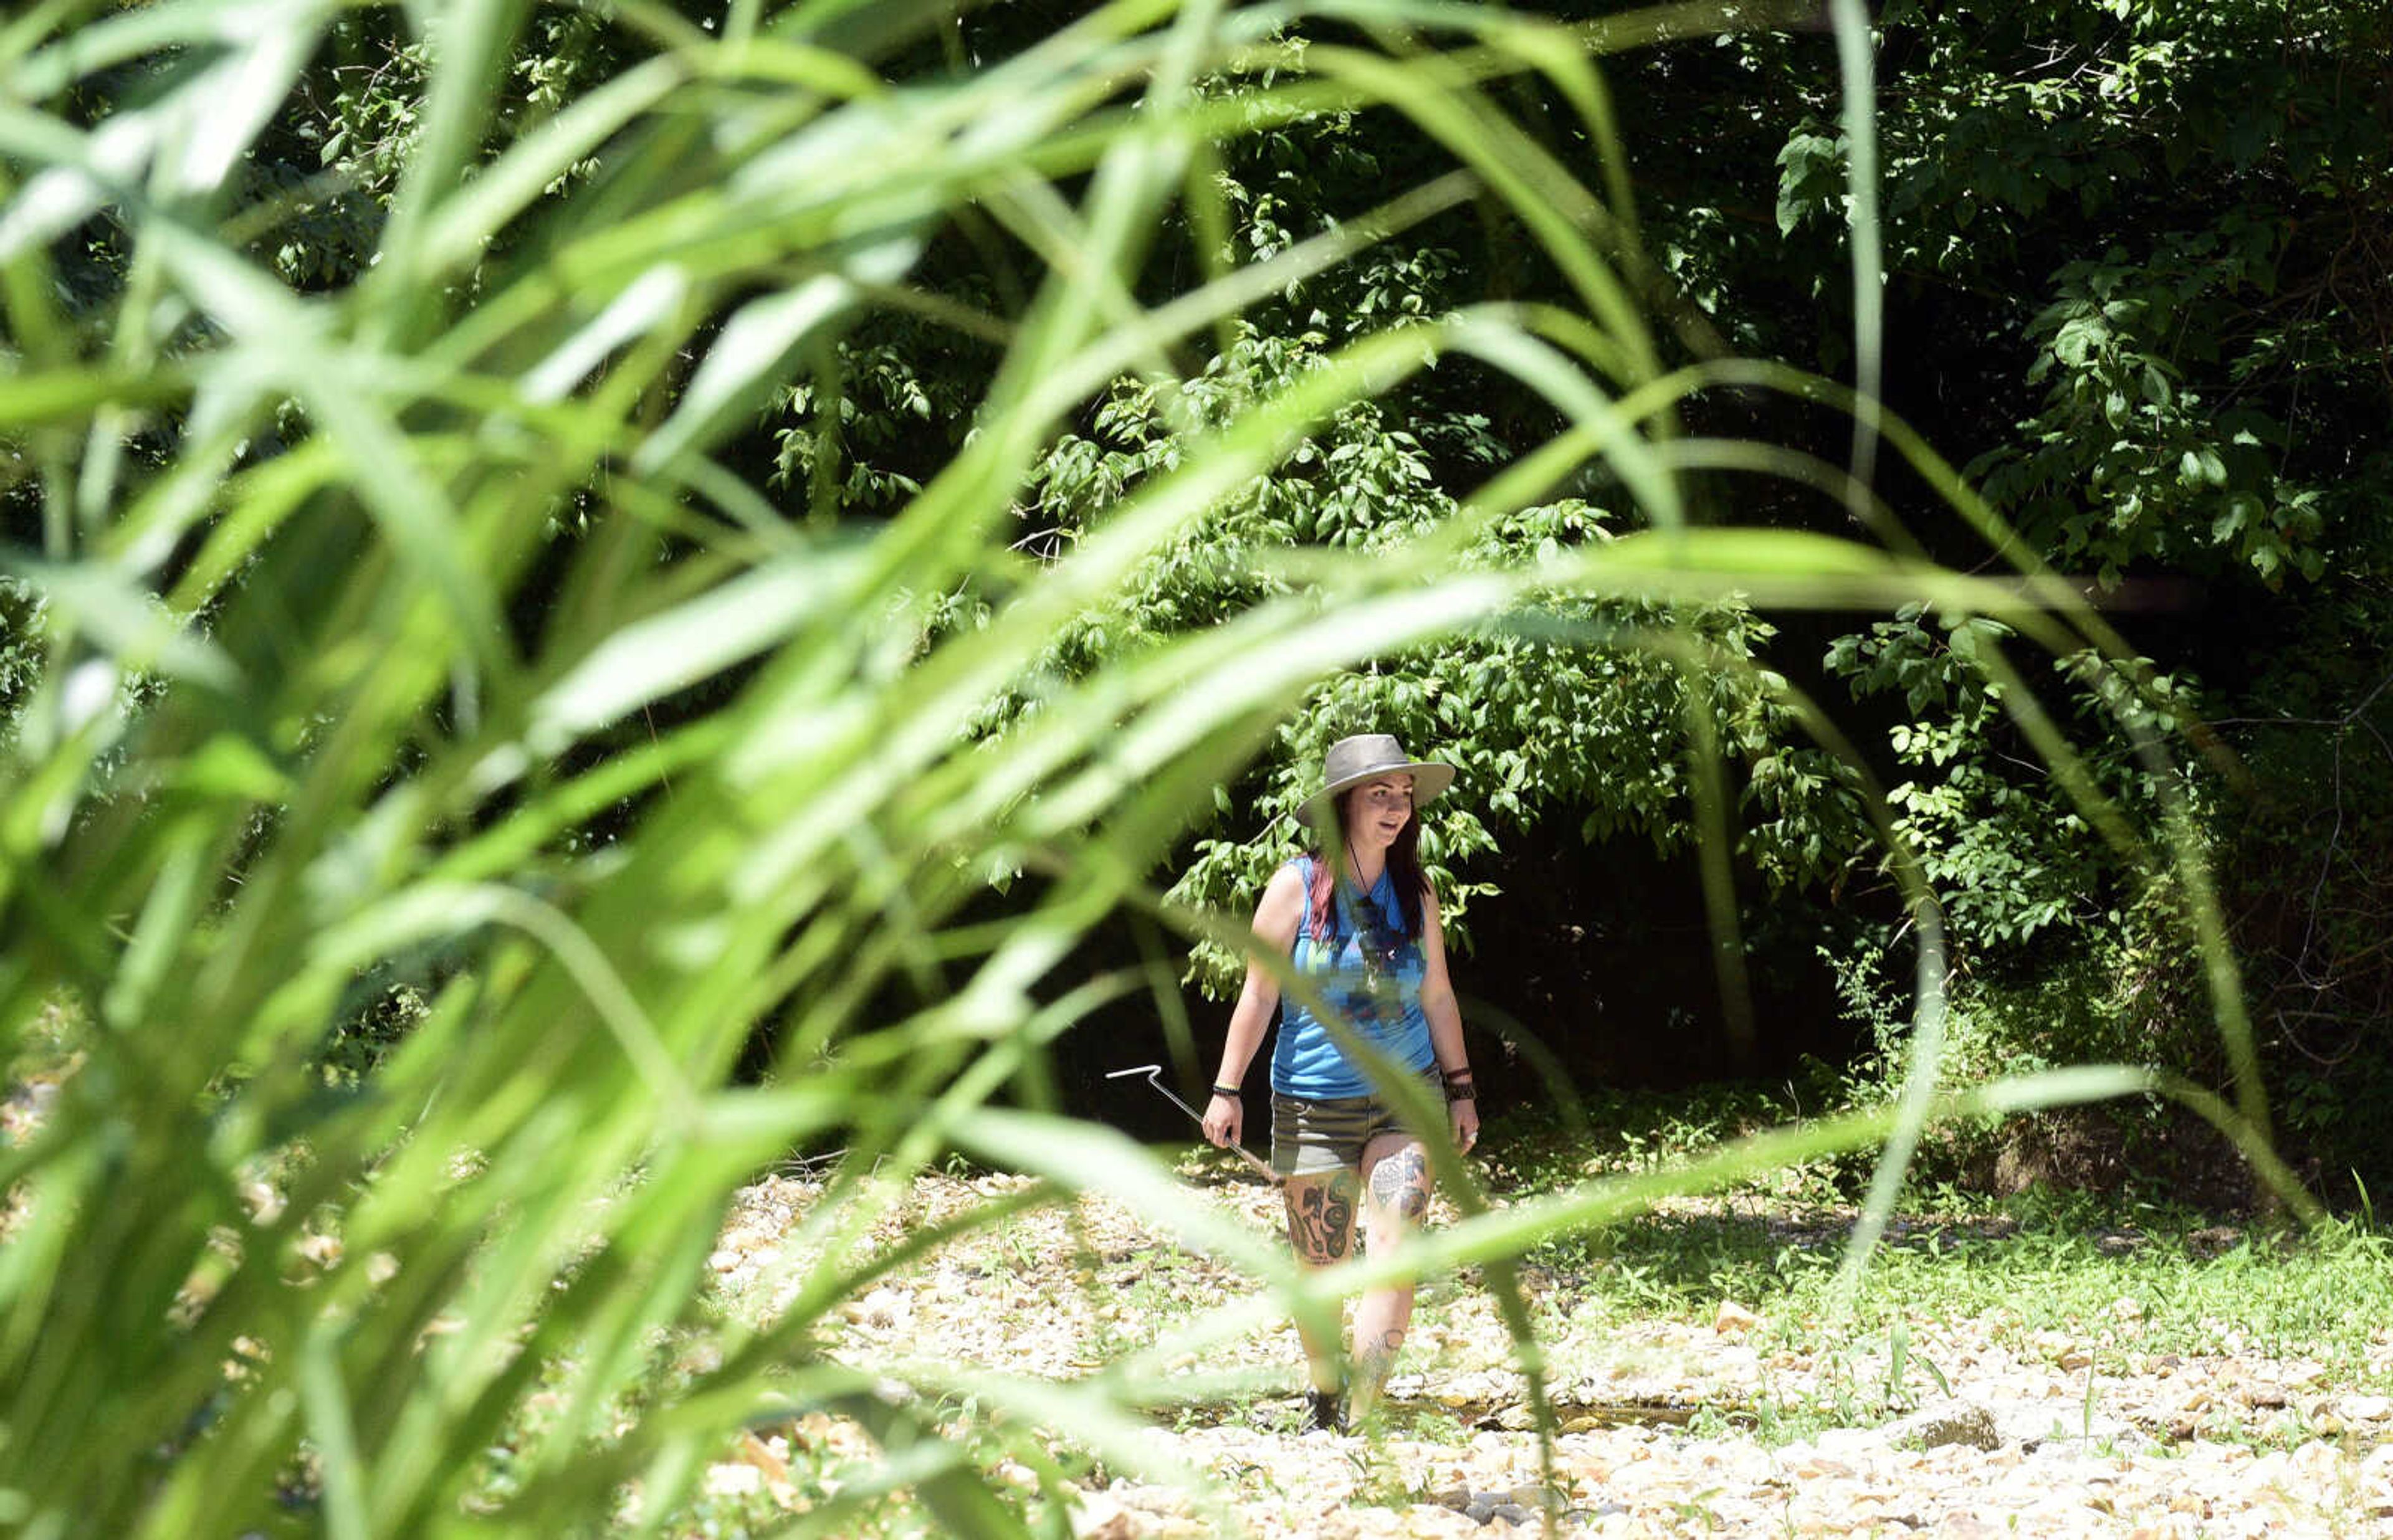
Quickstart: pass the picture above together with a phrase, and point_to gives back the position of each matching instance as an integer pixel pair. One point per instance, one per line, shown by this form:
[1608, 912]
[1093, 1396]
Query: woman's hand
[1225, 1119]
[1464, 1115]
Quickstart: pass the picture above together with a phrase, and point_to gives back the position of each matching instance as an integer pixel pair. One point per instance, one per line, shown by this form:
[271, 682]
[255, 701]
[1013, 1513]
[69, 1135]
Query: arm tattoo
[1321, 1218]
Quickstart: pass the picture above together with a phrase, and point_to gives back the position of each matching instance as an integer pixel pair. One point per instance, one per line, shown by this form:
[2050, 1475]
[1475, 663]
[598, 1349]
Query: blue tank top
[1370, 971]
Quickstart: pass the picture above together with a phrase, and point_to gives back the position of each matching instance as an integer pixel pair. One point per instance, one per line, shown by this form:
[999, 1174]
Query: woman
[1360, 920]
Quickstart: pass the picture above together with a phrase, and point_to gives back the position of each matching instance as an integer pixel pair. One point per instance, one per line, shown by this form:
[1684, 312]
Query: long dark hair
[1404, 870]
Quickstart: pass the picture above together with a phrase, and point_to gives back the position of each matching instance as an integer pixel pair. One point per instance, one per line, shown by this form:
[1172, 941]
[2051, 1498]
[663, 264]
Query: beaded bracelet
[1233, 1092]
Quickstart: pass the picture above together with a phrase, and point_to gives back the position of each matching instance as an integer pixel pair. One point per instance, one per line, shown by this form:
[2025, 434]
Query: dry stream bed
[1675, 1413]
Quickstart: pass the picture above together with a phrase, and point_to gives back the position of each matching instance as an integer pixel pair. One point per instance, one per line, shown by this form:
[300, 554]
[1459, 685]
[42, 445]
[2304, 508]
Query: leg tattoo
[1374, 1361]
[1321, 1218]
[1400, 1182]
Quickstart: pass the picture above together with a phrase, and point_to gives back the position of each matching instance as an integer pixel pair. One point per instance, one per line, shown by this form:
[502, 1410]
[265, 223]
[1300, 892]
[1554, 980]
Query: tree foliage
[2139, 233]
[2129, 277]
[439, 603]
[652, 510]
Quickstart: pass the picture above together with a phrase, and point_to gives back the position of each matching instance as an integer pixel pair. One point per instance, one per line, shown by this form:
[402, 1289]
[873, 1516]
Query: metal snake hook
[1154, 1077]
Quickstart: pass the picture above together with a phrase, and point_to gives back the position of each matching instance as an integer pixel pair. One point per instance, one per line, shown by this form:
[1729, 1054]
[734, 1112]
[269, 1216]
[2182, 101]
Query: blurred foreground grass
[412, 631]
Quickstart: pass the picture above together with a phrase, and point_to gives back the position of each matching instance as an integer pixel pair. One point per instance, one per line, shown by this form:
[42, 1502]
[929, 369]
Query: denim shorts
[1315, 1138]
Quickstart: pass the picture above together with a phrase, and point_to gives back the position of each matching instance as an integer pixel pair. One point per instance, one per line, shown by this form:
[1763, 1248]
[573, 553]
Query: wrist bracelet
[1233, 1092]
[1464, 1094]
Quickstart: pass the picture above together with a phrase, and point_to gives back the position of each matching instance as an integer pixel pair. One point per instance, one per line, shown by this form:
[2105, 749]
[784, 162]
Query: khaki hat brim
[1431, 777]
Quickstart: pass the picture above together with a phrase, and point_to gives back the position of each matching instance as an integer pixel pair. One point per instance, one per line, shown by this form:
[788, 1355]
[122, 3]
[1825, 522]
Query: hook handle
[1154, 1074]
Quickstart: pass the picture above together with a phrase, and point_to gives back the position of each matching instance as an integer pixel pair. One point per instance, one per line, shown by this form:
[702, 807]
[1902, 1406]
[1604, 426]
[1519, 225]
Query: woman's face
[1379, 811]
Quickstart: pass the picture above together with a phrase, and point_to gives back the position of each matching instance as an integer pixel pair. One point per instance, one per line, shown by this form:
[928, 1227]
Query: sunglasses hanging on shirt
[1381, 944]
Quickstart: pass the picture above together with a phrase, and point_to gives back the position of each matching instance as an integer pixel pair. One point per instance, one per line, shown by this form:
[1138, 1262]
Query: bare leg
[1321, 1227]
[1396, 1184]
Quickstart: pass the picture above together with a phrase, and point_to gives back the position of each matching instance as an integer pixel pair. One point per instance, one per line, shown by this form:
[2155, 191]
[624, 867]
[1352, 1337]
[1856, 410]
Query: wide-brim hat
[1368, 756]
